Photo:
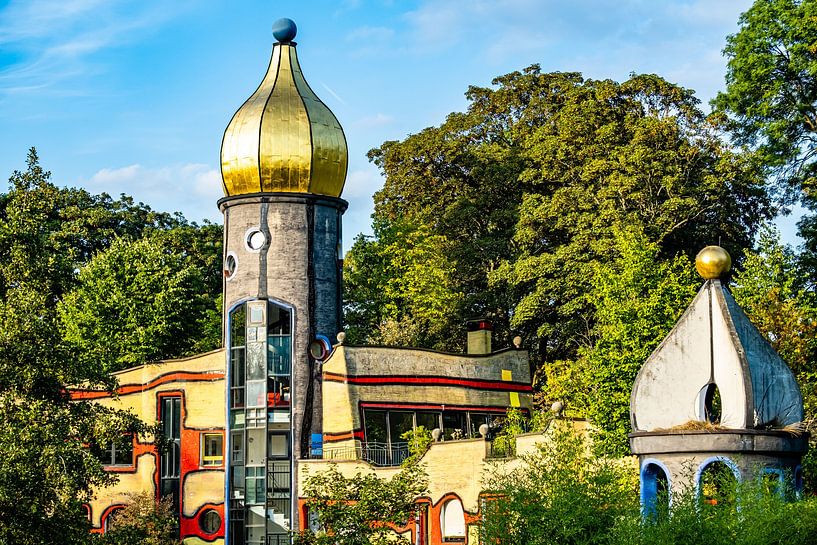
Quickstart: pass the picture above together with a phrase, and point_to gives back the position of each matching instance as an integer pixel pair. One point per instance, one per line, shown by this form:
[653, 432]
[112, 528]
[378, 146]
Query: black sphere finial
[284, 30]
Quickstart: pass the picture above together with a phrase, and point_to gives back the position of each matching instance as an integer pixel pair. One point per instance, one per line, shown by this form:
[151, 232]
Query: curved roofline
[430, 350]
[156, 362]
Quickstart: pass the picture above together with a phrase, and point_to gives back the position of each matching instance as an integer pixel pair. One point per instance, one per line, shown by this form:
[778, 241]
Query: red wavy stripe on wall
[403, 380]
[181, 376]
[334, 437]
[435, 407]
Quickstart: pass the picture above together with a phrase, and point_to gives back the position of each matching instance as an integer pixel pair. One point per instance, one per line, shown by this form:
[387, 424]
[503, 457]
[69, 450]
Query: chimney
[479, 335]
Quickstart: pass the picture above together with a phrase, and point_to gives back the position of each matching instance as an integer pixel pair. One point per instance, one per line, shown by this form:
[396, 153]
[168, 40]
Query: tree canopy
[139, 301]
[524, 191]
[46, 469]
[771, 87]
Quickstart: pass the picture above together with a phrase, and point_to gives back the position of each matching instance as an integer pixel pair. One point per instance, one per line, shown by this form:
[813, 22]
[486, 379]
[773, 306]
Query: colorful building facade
[282, 395]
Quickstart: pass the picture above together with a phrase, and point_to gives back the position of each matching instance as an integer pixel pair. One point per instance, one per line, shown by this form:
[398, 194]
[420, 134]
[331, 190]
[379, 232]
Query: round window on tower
[210, 521]
[230, 265]
[255, 239]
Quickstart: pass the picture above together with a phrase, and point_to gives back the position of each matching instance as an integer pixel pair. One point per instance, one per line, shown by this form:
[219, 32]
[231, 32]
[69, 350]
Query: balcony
[377, 454]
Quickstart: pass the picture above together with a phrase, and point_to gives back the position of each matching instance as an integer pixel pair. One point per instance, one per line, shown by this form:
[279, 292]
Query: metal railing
[378, 454]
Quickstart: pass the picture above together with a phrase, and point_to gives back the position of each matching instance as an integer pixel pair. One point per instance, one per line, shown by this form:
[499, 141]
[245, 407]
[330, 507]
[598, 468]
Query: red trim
[191, 527]
[435, 407]
[105, 514]
[181, 376]
[405, 380]
[344, 436]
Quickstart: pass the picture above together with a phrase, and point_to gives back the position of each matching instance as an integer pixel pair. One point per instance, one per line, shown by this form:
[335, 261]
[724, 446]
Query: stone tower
[714, 396]
[283, 164]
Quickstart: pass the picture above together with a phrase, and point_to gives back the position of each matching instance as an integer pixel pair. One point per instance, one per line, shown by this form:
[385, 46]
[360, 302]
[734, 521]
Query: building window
[116, 453]
[452, 522]
[230, 265]
[212, 449]
[210, 521]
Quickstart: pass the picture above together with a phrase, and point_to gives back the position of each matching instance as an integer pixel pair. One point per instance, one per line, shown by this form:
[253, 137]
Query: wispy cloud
[190, 188]
[376, 120]
[333, 93]
[50, 42]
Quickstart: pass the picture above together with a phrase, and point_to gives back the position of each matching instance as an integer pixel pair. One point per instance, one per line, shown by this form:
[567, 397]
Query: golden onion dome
[713, 262]
[283, 138]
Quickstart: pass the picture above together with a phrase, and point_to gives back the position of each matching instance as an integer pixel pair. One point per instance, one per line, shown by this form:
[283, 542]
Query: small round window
[210, 521]
[256, 239]
[230, 266]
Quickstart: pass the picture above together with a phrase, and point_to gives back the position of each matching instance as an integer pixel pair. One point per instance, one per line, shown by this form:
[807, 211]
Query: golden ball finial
[713, 262]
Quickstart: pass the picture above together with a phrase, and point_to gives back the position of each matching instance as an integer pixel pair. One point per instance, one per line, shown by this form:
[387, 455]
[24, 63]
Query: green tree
[526, 188]
[136, 302]
[358, 510]
[637, 298]
[560, 493]
[402, 289]
[771, 87]
[774, 291]
[46, 469]
[144, 521]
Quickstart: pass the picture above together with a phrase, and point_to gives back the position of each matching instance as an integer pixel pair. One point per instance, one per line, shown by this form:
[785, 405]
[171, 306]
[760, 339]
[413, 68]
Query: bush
[144, 521]
[560, 494]
[759, 515]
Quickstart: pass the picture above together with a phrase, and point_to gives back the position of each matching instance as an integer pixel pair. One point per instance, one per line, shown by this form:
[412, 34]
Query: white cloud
[376, 120]
[56, 40]
[370, 34]
[191, 188]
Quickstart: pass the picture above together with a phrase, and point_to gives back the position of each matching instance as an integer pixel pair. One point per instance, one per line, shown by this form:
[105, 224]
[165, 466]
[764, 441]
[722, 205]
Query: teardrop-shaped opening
[709, 404]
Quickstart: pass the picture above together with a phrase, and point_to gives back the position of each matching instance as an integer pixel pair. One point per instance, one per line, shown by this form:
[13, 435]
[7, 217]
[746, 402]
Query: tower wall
[299, 267]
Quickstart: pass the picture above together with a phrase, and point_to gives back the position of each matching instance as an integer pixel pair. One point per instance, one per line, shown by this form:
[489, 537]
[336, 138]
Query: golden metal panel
[283, 138]
[329, 151]
[240, 148]
[285, 141]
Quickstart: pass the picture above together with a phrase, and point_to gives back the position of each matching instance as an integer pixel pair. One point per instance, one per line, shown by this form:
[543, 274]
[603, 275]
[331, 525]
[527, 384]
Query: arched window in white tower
[452, 522]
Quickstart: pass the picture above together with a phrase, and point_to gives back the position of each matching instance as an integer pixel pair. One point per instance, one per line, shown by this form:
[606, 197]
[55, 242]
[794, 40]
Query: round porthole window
[255, 239]
[230, 266]
[210, 521]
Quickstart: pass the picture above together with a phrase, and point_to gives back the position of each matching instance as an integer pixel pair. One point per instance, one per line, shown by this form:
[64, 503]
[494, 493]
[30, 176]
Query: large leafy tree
[637, 298]
[775, 291]
[771, 87]
[528, 186]
[403, 289]
[46, 470]
[139, 301]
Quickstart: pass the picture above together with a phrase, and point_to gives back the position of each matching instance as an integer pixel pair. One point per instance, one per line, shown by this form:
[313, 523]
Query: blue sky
[133, 97]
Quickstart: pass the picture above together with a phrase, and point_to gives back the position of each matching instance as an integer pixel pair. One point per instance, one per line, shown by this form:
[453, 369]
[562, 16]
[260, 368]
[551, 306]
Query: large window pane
[453, 425]
[428, 420]
[376, 430]
[278, 320]
[400, 422]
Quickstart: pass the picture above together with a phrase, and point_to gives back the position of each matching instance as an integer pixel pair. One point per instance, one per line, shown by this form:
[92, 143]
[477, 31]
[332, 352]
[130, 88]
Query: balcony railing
[378, 454]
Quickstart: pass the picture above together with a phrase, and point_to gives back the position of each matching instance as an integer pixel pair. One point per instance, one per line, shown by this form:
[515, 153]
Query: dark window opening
[171, 458]
[710, 403]
[115, 453]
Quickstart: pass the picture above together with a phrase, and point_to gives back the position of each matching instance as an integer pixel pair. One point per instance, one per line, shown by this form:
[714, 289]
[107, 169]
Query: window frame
[211, 461]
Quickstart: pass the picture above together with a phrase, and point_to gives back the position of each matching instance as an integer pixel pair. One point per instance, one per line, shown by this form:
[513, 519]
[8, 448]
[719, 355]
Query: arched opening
[655, 489]
[709, 405]
[717, 483]
[109, 518]
[452, 522]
